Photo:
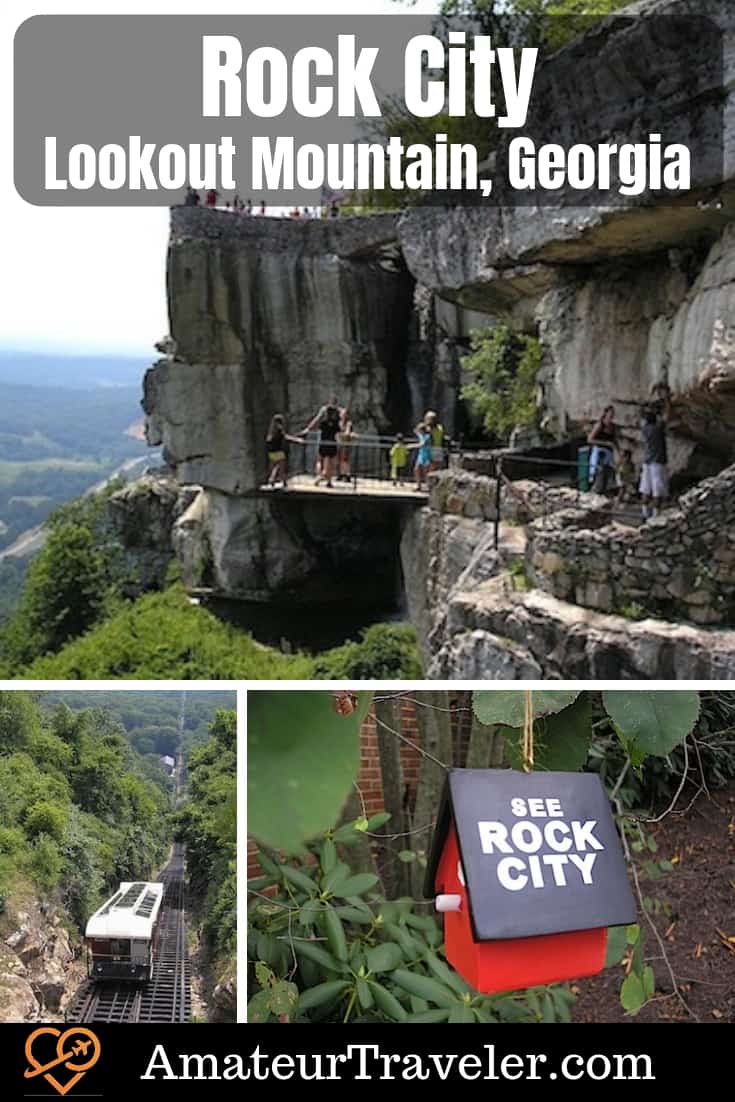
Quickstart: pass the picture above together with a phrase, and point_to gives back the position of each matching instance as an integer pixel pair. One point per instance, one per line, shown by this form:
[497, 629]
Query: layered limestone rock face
[493, 613]
[40, 970]
[273, 315]
[142, 517]
[270, 315]
[630, 294]
[302, 553]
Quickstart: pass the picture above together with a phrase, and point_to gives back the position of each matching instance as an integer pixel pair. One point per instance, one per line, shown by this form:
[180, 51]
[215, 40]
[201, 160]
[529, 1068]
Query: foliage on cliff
[79, 808]
[502, 366]
[69, 584]
[162, 635]
[383, 651]
[208, 825]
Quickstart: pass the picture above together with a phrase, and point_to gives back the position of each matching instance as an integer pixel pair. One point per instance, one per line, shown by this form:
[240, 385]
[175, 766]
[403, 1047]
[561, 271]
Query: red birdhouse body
[529, 874]
[495, 966]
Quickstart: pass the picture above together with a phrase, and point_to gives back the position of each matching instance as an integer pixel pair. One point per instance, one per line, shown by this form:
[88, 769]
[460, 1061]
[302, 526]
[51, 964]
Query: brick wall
[369, 778]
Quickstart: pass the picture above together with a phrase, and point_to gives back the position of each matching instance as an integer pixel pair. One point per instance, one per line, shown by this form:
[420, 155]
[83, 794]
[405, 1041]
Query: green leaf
[364, 994]
[507, 706]
[318, 955]
[321, 994]
[283, 997]
[298, 879]
[355, 885]
[563, 999]
[335, 934]
[327, 855]
[655, 720]
[378, 820]
[406, 855]
[351, 914]
[267, 865]
[616, 945]
[649, 981]
[384, 958]
[548, 1010]
[561, 742]
[446, 974]
[425, 988]
[361, 825]
[341, 871]
[429, 1016]
[259, 1007]
[263, 974]
[632, 933]
[411, 948]
[461, 1013]
[632, 995]
[346, 833]
[302, 760]
[388, 1003]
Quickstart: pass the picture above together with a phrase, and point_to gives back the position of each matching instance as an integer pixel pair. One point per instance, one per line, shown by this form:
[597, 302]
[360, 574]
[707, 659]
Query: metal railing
[362, 462]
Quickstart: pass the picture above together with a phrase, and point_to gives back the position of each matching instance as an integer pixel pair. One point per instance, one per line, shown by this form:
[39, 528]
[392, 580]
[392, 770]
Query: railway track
[167, 996]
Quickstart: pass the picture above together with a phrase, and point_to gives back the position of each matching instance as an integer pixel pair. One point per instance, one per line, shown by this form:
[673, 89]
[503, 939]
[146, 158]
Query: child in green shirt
[398, 460]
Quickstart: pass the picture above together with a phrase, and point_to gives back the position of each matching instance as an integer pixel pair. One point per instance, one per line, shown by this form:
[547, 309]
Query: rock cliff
[273, 315]
[40, 968]
[567, 593]
[633, 292]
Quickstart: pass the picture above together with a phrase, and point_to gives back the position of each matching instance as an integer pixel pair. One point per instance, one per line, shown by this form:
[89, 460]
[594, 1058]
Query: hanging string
[528, 732]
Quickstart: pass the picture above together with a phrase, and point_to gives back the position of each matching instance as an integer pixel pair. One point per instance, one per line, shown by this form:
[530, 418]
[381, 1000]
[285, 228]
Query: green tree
[47, 818]
[65, 590]
[502, 367]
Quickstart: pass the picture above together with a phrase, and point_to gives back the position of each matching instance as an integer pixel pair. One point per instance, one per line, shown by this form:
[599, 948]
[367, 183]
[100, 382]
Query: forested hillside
[152, 720]
[208, 825]
[80, 810]
[76, 619]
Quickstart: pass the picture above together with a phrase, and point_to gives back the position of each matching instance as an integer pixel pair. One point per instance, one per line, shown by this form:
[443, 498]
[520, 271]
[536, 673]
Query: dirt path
[696, 918]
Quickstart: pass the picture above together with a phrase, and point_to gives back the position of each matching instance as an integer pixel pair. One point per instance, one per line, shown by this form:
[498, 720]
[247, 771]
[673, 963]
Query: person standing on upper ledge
[654, 486]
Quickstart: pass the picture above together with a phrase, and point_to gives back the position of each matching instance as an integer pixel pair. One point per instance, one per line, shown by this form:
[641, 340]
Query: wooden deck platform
[304, 487]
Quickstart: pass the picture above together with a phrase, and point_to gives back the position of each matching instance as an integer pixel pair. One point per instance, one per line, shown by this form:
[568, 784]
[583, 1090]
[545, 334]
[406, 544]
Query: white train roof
[130, 912]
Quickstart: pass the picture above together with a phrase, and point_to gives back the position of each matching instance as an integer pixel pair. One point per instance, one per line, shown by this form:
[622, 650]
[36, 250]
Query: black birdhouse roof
[540, 852]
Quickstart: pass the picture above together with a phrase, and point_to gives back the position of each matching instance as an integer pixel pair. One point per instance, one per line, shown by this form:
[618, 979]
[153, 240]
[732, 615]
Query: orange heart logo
[73, 1057]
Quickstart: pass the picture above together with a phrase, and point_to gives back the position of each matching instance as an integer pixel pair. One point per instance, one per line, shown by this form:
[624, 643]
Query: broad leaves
[302, 759]
[561, 742]
[507, 706]
[654, 720]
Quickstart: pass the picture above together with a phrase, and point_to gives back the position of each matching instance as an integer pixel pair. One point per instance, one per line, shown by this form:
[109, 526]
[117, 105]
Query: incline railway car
[122, 936]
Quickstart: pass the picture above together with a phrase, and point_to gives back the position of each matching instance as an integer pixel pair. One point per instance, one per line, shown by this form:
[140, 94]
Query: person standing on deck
[604, 441]
[423, 458]
[328, 422]
[436, 432]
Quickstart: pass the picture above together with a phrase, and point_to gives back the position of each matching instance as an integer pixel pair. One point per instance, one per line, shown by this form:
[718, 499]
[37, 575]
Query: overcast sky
[90, 280]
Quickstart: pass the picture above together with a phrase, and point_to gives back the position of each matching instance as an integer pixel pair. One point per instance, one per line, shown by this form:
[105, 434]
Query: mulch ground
[696, 919]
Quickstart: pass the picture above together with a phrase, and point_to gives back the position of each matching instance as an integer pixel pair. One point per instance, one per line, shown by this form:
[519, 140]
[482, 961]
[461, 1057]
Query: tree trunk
[434, 723]
[485, 750]
[387, 720]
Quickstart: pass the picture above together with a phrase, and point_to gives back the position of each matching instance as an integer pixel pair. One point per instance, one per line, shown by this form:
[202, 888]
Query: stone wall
[680, 566]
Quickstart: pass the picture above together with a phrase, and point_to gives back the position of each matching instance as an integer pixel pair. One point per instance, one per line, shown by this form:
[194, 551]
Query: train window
[120, 948]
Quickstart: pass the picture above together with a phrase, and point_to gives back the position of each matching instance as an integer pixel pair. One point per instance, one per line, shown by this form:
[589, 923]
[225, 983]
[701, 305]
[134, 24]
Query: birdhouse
[528, 871]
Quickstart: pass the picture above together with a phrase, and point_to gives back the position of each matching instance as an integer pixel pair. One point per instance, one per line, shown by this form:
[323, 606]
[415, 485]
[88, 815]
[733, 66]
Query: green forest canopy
[80, 810]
